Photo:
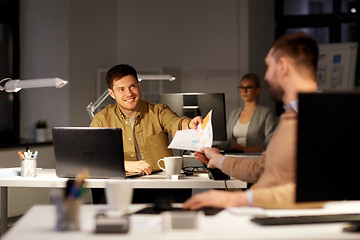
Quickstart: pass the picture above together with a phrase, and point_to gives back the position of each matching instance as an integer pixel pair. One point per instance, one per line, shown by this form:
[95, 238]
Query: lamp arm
[155, 77]
[3, 82]
[93, 106]
[90, 111]
[10, 85]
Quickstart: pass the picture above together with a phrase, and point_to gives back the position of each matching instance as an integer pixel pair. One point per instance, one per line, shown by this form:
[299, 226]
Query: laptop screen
[328, 156]
[99, 150]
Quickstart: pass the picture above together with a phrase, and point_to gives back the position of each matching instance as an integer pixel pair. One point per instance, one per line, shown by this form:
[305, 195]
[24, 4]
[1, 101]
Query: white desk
[39, 223]
[46, 178]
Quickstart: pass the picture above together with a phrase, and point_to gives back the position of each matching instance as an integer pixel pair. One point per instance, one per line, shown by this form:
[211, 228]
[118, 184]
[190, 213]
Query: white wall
[212, 43]
[44, 53]
[92, 45]
[261, 35]
[199, 37]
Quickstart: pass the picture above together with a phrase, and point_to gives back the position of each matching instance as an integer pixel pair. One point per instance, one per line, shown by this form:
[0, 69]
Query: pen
[20, 154]
[75, 188]
[81, 190]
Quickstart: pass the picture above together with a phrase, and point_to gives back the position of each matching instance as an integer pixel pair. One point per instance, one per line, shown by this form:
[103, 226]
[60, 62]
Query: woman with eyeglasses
[250, 127]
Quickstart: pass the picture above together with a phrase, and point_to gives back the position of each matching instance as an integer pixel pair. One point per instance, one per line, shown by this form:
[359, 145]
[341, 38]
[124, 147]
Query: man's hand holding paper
[194, 123]
[194, 139]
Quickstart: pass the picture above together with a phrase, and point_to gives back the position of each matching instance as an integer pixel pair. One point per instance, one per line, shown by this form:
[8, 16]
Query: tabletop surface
[48, 178]
[234, 223]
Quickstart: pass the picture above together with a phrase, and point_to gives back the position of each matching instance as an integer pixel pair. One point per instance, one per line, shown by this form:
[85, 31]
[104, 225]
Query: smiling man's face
[126, 92]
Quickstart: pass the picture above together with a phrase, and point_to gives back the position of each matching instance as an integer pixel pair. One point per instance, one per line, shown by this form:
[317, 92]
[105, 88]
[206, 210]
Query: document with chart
[194, 139]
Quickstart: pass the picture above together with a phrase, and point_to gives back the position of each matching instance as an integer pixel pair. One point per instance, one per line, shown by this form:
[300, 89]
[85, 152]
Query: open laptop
[99, 150]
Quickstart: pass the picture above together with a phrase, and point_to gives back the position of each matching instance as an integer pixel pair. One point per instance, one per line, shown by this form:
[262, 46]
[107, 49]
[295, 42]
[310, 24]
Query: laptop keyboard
[307, 219]
[133, 175]
[208, 211]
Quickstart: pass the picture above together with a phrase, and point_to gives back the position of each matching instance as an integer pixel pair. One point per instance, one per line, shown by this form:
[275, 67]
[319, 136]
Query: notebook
[99, 150]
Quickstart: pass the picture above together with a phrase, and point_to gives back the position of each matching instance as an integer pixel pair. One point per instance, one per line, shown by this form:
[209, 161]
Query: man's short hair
[118, 72]
[300, 47]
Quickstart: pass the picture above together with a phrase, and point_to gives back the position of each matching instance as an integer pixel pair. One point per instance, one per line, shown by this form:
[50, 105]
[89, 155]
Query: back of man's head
[300, 47]
[118, 72]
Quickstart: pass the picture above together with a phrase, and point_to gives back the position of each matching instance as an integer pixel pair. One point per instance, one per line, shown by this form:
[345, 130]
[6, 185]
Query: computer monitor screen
[199, 104]
[328, 148]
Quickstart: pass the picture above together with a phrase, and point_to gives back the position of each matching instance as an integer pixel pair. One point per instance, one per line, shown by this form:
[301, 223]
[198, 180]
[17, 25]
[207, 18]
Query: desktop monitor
[199, 104]
[328, 148]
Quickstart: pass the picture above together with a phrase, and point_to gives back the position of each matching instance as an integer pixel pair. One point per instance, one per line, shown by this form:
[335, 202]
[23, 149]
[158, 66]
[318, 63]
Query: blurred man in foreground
[291, 69]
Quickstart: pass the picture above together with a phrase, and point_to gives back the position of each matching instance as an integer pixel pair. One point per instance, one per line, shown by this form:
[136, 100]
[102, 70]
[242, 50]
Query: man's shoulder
[107, 112]
[105, 117]
[153, 106]
[111, 108]
[157, 110]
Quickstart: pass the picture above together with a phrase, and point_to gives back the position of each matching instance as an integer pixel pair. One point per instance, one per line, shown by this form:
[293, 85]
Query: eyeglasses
[246, 88]
[190, 170]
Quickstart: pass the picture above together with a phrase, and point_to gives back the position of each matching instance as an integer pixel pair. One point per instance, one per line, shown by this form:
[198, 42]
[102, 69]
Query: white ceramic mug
[119, 194]
[172, 165]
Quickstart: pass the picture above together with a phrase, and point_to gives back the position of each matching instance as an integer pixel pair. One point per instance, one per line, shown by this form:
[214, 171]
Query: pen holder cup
[68, 215]
[28, 167]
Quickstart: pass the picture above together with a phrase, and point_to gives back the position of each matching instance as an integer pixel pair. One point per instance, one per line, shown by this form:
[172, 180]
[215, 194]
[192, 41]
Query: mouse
[217, 174]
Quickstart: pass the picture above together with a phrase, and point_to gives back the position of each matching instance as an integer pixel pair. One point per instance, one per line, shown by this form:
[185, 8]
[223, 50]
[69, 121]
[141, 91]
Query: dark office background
[328, 21]
[9, 68]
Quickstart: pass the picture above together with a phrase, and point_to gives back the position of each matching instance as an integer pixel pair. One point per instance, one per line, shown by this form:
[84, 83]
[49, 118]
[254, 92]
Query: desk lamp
[10, 85]
[141, 77]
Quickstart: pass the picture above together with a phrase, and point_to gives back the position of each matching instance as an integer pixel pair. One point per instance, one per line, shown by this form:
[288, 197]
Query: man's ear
[138, 84]
[284, 66]
[111, 93]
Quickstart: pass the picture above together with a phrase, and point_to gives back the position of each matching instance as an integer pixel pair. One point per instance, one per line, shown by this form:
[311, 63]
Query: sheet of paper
[194, 139]
[10, 172]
